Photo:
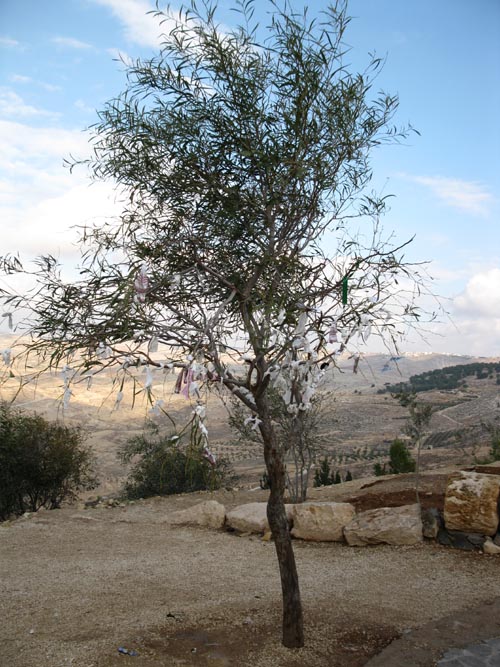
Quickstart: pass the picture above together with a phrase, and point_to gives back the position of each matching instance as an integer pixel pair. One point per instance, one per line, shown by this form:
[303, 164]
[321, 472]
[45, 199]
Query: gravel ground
[75, 585]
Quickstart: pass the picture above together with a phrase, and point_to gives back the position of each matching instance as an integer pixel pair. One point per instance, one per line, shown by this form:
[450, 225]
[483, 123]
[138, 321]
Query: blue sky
[443, 59]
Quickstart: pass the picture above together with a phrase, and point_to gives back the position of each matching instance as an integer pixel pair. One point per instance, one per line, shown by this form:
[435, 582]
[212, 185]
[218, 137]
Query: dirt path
[75, 585]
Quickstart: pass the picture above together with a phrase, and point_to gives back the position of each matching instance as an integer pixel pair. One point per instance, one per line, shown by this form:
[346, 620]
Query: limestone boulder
[471, 503]
[489, 547]
[385, 525]
[252, 518]
[209, 514]
[321, 522]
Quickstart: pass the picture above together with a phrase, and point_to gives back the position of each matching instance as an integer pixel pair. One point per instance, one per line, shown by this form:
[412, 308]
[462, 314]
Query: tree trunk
[293, 629]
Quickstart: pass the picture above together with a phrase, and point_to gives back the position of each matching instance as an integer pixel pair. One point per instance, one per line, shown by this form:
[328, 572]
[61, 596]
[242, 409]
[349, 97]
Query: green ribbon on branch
[344, 290]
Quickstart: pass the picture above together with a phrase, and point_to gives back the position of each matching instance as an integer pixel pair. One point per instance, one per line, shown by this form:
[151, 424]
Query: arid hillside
[358, 422]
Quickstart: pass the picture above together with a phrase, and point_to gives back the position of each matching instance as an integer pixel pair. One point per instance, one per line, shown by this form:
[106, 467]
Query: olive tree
[419, 417]
[249, 245]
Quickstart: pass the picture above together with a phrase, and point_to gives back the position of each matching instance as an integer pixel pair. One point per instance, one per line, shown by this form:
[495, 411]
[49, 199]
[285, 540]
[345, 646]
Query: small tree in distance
[400, 460]
[419, 418]
[244, 161]
[323, 476]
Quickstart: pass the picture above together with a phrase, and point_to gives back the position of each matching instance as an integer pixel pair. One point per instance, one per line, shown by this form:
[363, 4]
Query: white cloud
[41, 203]
[467, 306]
[481, 297]
[71, 43]
[20, 140]
[474, 324]
[39, 199]
[80, 104]
[12, 104]
[467, 196]
[8, 42]
[144, 28]
[49, 225]
[140, 27]
[20, 78]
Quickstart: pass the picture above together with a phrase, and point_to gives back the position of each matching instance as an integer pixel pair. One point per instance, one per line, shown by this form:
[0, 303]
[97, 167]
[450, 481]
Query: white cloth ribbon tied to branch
[148, 382]
[141, 284]
[333, 333]
[365, 326]
[300, 329]
[156, 409]
[118, 400]
[200, 411]
[9, 319]
[67, 397]
[67, 374]
[103, 351]
[253, 421]
[356, 358]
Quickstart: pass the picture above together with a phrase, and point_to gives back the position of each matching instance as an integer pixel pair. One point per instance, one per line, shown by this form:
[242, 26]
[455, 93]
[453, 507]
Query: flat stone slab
[385, 525]
[471, 636]
[485, 654]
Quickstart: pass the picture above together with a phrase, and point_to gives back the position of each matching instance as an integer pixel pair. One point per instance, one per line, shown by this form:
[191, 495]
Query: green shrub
[326, 476]
[322, 475]
[400, 459]
[379, 470]
[42, 463]
[160, 467]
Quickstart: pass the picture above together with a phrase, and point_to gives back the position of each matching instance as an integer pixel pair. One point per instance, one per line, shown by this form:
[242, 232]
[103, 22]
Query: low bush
[379, 470]
[160, 466]
[400, 459]
[42, 463]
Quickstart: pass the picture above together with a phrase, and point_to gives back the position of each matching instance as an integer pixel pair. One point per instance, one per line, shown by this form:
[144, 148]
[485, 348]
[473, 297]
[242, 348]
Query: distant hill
[377, 371]
[450, 377]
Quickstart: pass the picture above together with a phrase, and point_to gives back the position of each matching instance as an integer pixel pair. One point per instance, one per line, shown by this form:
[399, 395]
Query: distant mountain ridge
[381, 369]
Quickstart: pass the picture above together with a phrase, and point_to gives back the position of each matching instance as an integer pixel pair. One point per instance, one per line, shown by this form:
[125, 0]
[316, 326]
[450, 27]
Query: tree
[400, 460]
[245, 245]
[323, 476]
[493, 429]
[420, 415]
